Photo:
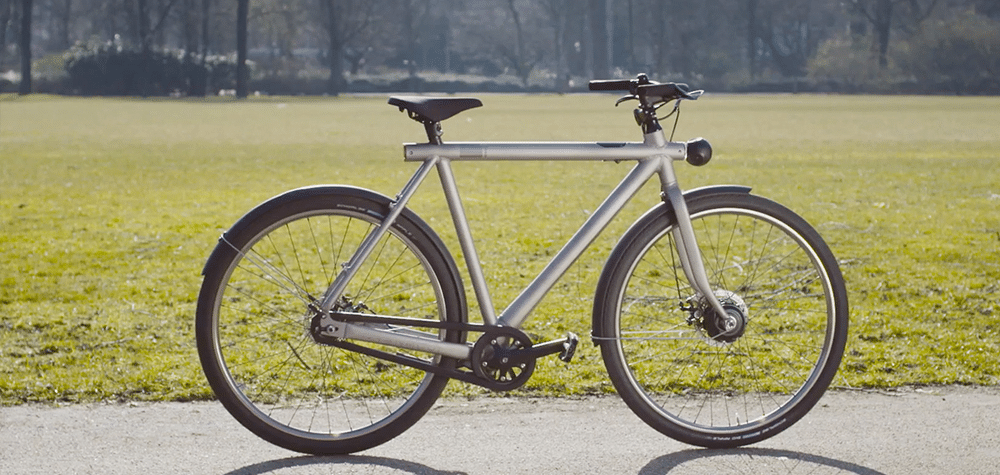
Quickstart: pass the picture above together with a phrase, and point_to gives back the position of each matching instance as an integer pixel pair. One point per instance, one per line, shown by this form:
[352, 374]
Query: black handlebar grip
[611, 85]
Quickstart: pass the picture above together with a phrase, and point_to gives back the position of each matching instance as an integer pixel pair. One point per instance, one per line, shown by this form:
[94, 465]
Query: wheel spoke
[722, 382]
[254, 324]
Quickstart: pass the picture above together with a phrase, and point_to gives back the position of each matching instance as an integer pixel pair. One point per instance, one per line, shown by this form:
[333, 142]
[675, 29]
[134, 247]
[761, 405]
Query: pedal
[569, 347]
[564, 347]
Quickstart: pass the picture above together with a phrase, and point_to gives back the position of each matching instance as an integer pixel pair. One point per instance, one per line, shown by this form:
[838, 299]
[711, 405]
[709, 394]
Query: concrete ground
[927, 431]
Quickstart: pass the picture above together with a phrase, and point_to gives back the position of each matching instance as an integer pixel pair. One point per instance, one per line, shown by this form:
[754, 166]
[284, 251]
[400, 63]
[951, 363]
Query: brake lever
[625, 98]
[694, 95]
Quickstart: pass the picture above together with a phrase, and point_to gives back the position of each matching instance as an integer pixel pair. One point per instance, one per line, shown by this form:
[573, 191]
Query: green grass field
[109, 208]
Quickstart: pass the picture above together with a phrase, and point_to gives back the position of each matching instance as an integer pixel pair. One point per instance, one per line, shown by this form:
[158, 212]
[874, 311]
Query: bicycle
[331, 317]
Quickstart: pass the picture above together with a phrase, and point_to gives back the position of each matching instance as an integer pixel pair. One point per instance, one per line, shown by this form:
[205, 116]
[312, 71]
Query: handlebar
[611, 85]
[648, 92]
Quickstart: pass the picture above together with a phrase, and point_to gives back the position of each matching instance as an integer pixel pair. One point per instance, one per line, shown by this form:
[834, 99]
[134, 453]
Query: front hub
[721, 328]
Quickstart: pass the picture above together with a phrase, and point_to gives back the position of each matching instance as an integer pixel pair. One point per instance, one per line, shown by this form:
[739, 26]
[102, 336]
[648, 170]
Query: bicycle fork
[683, 233]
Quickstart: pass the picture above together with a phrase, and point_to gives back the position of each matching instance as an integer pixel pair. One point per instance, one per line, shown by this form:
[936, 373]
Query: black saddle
[433, 109]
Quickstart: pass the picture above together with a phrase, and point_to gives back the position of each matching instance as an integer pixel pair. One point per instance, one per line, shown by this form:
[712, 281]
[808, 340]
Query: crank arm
[566, 347]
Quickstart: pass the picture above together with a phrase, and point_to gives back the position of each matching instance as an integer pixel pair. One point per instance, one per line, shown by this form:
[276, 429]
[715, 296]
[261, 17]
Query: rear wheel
[723, 381]
[261, 287]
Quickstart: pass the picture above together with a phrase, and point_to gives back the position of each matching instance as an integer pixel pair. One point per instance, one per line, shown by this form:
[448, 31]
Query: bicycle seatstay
[336, 289]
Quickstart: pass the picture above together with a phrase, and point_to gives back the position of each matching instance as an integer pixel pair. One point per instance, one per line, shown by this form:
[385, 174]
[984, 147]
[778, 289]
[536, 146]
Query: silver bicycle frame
[654, 156]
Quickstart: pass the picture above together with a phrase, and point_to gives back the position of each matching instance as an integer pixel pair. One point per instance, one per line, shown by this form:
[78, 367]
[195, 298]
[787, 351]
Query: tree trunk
[336, 56]
[142, 18]
[201, 88]
[662, 43]
[410, 18]
[600, 21]
[562, 68]
[630, 60]
[883, 24]
[65, 17]
[521, 64]
[5, 14]
[25, 46]
[190, 28]
[752, 38]
[242, 73]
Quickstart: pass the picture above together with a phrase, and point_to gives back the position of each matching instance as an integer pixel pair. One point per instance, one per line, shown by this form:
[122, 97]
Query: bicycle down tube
[654, 157]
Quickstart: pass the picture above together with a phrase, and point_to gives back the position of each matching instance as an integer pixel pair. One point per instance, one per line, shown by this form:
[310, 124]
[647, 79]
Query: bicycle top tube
[582, 151]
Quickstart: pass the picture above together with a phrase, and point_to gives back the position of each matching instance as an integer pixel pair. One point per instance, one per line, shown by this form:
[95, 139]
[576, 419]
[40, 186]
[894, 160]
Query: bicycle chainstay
[503, 358]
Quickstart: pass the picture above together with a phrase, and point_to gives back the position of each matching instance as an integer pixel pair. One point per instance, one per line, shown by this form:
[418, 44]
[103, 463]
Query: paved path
[926, 431]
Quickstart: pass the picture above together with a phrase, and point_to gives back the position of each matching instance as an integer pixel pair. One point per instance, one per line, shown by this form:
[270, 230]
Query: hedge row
[111, 70]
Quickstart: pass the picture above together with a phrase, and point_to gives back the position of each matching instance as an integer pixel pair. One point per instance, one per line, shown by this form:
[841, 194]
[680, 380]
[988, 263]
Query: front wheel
[261, 290]
[722, 381]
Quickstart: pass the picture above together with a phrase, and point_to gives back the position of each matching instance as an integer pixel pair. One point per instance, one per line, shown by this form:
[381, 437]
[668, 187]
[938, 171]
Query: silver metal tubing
[654, 156]
[687, 245]
[687, 249]
[336, 289]
[406, 340]
[581, 151]
[464, 233]
[518, 310]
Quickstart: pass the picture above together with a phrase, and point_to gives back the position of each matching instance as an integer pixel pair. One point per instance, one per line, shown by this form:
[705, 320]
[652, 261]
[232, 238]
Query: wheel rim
[705, 383]
[263, 348]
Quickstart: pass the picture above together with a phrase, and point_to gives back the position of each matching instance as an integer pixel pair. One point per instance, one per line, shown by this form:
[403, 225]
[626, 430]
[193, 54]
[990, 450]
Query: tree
[201, 82]
[557, 12]
[752, 38]
[344, 21]
[958, 54]
[600, 30]
[189, 38]
[880, 14]
[64, 18]
[25, 47]
[518, 57]
[6, 13]
[783, 31]
[242, 73]
[145, 28]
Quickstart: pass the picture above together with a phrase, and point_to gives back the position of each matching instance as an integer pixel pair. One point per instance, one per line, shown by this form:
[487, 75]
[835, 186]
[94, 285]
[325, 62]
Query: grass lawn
[109, 208]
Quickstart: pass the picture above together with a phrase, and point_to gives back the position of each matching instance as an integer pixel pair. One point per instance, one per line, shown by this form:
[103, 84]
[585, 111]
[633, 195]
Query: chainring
[498, 357]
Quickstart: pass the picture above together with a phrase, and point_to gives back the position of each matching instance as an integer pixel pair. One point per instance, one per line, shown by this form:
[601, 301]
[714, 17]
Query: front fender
[697, 193]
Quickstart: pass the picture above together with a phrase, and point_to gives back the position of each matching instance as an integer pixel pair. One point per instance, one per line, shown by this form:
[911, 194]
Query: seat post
[434, 131]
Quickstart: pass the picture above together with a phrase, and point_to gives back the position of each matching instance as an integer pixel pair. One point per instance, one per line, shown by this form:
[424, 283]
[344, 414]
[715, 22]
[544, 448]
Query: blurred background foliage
[188, 47]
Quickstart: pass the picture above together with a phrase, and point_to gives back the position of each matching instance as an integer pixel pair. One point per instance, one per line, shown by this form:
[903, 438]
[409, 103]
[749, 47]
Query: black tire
[682, 371]
[253, 317]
